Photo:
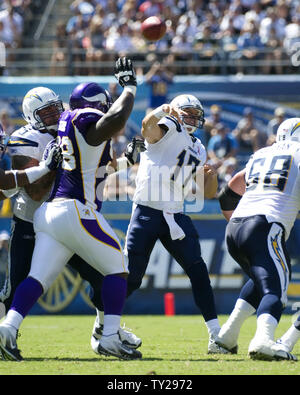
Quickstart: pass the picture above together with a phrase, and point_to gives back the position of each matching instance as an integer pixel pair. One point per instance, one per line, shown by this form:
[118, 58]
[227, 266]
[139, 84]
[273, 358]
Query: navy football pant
[148, 225]
[20, 254]
[259, 248]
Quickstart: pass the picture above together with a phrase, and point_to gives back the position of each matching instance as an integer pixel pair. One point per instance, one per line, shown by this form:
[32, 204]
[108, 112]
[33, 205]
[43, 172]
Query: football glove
[124, 72]
[52, 155]
[133, 149]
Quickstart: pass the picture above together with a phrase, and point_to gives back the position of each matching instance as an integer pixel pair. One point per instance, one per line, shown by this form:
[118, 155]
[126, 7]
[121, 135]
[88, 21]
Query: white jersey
[166, 166]
[30, 142]
[273, 185]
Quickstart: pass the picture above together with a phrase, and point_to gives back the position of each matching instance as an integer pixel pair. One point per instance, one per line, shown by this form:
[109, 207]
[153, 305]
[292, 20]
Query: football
[153, 28]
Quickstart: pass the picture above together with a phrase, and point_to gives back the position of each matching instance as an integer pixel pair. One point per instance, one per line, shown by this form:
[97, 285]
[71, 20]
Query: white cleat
[289, 339]
[8, 344]
[284, 346]
[128, 338]
[228, 337]
[268, 350]
[214, 347]
[112, 346]
[226, 342]
[97, 329]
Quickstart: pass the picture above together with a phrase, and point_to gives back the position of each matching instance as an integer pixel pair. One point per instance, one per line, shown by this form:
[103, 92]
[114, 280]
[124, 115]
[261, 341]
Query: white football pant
[69, 227]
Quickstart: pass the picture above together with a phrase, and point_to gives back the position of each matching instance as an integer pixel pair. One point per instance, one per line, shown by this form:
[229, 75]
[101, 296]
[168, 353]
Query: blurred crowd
[230, 149]
[14, 14]
[203, 36]
[217, 32]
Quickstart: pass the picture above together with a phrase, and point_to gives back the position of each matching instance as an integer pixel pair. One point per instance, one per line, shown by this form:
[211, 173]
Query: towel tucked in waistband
[175, 230]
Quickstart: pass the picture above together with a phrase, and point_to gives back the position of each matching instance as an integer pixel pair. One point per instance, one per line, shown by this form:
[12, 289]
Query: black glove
[133, 149]
[124, 72]
[52, 155]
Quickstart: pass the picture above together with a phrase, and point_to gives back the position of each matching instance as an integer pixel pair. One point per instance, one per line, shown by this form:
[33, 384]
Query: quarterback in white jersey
[176, 156]
[170, 145]
[256, 234]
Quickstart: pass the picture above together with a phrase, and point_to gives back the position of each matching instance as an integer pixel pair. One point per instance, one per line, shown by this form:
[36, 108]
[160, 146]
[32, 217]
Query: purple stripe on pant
[94, 229]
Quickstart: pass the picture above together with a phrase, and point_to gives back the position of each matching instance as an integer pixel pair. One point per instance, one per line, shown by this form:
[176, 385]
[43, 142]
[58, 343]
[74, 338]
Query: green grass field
[60, 345]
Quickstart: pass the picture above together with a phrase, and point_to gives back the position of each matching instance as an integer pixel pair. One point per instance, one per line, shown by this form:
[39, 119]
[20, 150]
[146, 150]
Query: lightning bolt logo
[277, 250]
[295, 128]
[35, 95]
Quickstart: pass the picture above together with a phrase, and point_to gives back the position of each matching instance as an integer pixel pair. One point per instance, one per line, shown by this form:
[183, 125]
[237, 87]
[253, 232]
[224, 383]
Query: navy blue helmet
[90, 95]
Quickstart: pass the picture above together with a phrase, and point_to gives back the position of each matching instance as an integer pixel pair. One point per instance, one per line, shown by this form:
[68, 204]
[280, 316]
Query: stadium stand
[82, 37]
[227, 37]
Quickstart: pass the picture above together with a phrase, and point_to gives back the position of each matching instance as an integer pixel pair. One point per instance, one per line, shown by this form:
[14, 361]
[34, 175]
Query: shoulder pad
[85, 116]
[23, 130]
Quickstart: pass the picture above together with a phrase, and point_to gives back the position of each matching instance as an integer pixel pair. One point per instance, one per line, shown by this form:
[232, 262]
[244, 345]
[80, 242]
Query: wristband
[36, 172]
[159, 113]
[131, 89]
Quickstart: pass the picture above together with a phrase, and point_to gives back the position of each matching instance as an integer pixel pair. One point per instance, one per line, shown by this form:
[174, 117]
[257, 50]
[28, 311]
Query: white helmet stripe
[99, 97]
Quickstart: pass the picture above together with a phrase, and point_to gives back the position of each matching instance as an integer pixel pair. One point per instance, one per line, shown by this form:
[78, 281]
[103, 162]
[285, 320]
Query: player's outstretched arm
[39, 188]
[19, 178]
[115, 119]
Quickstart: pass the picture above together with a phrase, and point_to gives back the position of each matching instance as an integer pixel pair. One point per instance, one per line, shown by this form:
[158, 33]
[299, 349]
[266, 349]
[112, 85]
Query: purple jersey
[83, 166]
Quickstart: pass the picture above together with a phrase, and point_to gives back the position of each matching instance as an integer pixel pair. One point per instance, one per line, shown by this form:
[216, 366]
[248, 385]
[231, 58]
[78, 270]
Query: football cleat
[223, 345]
[289, 339]
[284, 346]
[112, 346]
[227, 338]
[214, 347]
[8, 345]
[269, 351]
[128, 338]
[97, 329]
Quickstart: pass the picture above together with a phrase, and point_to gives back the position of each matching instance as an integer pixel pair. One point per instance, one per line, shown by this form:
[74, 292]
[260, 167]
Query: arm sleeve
[228, 199]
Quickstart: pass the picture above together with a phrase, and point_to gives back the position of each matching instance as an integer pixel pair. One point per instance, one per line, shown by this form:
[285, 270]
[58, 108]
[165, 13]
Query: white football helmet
[35, 105]
[195, 120]
[289, 130]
